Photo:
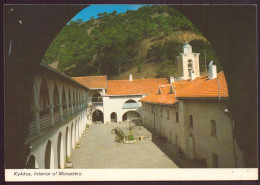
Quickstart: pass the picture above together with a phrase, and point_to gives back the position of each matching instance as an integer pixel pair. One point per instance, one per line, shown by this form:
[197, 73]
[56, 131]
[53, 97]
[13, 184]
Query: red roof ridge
[140, 79]
[88, 76]
[201, 86]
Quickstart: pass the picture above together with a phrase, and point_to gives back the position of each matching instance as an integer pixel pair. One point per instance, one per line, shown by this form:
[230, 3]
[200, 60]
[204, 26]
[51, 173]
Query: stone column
[66, 103]
[36, 100]
[50, 85]
[51, 107]
[75, 101]
[80, 100]
[61, 111]
[60, 100]
[76, 132]
[71, 101]
[36, 111]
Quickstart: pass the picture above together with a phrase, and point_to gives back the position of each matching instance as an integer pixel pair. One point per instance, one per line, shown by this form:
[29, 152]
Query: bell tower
[188, 63]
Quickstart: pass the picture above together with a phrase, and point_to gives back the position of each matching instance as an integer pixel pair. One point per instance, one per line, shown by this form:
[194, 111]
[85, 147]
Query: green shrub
[131, 137]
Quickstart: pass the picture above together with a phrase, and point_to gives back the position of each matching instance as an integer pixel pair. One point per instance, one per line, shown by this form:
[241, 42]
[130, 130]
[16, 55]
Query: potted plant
[68, 163]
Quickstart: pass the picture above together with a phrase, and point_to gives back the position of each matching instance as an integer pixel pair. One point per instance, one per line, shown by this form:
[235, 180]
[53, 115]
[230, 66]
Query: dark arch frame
[124, 117]
[97, 115]
[44, 93]
[55, 98]
[131, 101]
[72, 134]
[59, 149]
[224, 25]
[113, 117]
[31, 163]
[47, 158]
[67, 143]
[97, 97]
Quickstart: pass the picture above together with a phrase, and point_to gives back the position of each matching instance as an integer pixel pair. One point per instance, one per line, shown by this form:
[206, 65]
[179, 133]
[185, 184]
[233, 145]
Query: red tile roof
[201, 87]
[137, 86]
[206, 88]
[92, 82]
[164, 98]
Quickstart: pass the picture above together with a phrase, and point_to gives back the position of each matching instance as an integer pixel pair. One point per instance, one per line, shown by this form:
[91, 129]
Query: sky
[93, 10]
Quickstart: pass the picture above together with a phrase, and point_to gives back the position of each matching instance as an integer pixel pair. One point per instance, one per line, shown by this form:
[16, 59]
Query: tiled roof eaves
[202, 98]
[62, 75]
[97, 88]
[165, 104]
[124, 94]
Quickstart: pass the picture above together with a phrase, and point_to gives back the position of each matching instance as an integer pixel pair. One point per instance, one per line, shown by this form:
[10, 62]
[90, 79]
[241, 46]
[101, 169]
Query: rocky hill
[144, 42]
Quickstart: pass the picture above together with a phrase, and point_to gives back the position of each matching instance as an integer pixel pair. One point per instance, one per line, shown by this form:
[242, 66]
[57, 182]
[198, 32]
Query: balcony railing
[45, 122]
[96, 101]
[130, 106]
[97, 104]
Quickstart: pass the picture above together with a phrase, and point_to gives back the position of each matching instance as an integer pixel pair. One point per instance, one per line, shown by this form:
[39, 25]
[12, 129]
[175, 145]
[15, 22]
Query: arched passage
[130, 104]
[130, 115]
[49, 156]
[96, 98]
[44, 98]
[67, 142]
[77, 131]
[97, 116]
[72, 137]
[113, 117]
[60, 152]
[64, 104]
[55, 98]
[31, 164]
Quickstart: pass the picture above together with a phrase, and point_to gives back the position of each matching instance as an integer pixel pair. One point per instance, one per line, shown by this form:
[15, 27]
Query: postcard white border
[11, 175]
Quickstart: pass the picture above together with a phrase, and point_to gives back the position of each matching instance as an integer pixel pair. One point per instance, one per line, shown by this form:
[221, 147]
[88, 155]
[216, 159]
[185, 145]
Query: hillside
[144, 42]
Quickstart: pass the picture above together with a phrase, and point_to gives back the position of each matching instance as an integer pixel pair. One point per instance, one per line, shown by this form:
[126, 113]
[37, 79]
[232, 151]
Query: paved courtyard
[99, 150]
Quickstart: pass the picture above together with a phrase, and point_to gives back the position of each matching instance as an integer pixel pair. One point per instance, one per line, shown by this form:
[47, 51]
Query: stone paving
[99, 150]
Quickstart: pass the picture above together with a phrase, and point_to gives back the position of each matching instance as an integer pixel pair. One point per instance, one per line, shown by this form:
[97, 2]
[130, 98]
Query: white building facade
[196, 119]
[116, 100]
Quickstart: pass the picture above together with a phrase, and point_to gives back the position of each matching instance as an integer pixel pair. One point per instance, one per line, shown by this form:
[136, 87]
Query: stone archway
[72, 136]
[31, 163]
[67, 151]
[97, 116]
[60, 152]
[130, 115]
[113, 117]
[49, 156]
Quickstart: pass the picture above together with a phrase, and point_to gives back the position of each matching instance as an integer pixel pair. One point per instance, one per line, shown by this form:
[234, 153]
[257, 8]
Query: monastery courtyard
[99, 150]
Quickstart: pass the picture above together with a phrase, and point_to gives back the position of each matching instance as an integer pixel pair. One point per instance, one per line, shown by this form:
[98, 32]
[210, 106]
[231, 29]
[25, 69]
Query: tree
[108, 44]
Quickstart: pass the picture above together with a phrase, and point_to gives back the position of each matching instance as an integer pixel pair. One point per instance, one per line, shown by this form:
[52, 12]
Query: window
[130, 101]
[161, 112]
[97, 97]
[168, 114]
[190, 66]
[213, 128]
[215, 160]
[177, 117]
[191, 121]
